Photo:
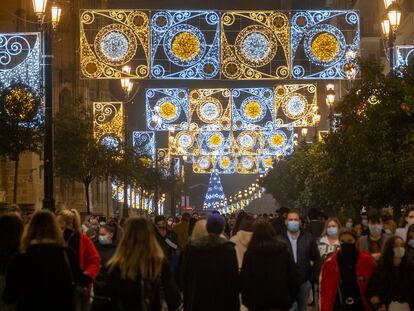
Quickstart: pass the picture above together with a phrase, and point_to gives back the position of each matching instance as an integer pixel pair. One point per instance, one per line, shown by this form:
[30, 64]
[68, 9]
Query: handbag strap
[65, 255]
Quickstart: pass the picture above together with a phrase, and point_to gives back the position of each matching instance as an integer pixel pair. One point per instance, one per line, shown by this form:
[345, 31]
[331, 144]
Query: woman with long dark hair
[392, 284]
[269, 277]
[140, 278]
[42, 277]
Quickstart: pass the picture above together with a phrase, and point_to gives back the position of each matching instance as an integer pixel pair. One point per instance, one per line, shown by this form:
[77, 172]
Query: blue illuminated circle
[295, 106]
[204, 163]
[209, 111]
[114, 45]
[246, 140]
[111, 142]
[246, 163]
[185, 140]
[196, 35]
[256, 46]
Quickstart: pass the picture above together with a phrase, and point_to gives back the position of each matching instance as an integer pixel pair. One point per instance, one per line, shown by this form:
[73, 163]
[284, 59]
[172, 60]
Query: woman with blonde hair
[199, 230]
[43, 276]
[139, 275]
[89, 259]
[329, 241]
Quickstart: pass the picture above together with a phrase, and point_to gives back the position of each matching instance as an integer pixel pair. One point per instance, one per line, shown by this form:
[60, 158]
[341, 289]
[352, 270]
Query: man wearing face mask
[167, 240]
[305, 254]
[374, 242]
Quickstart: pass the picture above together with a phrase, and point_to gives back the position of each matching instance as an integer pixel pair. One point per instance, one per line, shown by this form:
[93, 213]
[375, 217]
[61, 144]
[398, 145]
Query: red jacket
[89, 259]
[330, 277]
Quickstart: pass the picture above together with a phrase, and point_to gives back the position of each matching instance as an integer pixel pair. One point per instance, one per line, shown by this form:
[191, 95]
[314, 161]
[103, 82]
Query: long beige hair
[71, 218]
[199, 230]
[138, 253]
[42, 228]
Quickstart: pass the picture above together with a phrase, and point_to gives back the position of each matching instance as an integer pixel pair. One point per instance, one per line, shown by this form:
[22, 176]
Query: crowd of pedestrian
[205, 263]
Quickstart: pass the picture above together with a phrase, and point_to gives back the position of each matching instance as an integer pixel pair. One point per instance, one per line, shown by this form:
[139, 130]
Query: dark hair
[313, 213]
[374, 216]
[409, 230]
[349, 231]
[263, 234]
[387, 262]
[403, 222]
[185, 216]
[215, 224]
[11, 229]
[282, 210]
[239, 219]
[295, 211]
[110, 228]
[246, 224]
[159, 218]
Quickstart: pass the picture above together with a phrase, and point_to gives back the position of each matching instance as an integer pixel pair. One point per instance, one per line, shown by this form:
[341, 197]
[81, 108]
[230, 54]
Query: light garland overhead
[144, 143]
[20, 59]
[403, 55]
[242, 45]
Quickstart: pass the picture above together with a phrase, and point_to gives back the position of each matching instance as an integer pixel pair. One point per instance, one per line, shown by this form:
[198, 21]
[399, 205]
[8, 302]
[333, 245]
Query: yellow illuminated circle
[185, 46]
[18, 103]
[168, 110]
[253, 110]
[216, 140]
[225, 162]
[325, 47]
[277, 140]
[268, 162]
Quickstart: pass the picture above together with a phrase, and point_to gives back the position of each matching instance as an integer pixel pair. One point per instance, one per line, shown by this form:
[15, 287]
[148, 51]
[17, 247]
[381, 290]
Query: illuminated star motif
[209, 111]
[114, 45]
[256, 47]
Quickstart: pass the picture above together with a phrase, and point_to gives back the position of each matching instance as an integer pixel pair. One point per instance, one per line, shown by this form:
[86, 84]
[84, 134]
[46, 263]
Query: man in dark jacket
[279, 222]
[208, 273]
[315, 226]
[305, 253]
[167, 240]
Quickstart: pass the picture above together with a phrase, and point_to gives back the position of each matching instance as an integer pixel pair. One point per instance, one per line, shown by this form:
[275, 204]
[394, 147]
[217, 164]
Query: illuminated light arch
[108, 124]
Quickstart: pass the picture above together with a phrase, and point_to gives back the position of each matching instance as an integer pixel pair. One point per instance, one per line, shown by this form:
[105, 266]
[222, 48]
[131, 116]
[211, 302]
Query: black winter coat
[39, 279]
[126, 295]
[307, 252]
[269, 277]
[208, 275]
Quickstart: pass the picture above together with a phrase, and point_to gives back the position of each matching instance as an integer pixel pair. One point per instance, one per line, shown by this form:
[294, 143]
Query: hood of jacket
[242, 238]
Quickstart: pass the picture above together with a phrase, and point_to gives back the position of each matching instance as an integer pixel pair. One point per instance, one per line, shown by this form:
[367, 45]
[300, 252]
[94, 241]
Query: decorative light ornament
[278, 140]
[185, 46]
[216, 140]
[39, 8]
[386, 28]
[296, 106]
[256, 47]
[168, 111]
[325, 47]
[114, 45]
[209, 111]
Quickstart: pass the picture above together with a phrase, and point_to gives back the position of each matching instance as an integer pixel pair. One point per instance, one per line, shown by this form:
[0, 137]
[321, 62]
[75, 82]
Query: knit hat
[215, 224]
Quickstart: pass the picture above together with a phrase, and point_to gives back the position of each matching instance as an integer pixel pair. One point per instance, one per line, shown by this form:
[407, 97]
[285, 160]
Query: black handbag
[80, 301]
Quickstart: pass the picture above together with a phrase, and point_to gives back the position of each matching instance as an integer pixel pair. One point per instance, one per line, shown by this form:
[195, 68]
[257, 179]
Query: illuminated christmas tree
[215, 193]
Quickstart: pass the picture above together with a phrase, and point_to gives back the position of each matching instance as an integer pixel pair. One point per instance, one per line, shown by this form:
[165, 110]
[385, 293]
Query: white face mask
[399, 252]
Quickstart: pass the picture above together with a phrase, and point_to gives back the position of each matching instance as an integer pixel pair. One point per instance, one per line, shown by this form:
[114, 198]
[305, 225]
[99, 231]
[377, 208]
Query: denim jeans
[302, 299]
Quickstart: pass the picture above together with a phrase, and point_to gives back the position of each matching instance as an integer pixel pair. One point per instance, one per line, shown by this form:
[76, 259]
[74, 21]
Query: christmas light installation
[20, 59]
[403, 55]
[184, 143]
[255, 45]
[210, 109]
[185, 44]
[278, 142]
[124, 39]
[108, 124]
[247, 142]
[215, 193]
[144, 143]
[252, 108]
[295, 105]
[247, 164]
[167, 109]
[331, 51]
[215, 142]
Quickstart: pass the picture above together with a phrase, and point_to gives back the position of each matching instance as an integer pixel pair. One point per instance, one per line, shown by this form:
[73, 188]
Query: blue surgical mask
[332, 231]
[293, 226]
[103, 239]
[411, 243]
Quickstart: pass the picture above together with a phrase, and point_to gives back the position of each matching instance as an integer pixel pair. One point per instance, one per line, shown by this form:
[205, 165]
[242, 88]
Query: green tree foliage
[21, 126]
[368, 161]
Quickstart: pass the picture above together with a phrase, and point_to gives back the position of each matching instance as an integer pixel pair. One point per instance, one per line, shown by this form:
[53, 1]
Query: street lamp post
[126, 85]
[39, 7]
[330, 100]
[389, 26]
